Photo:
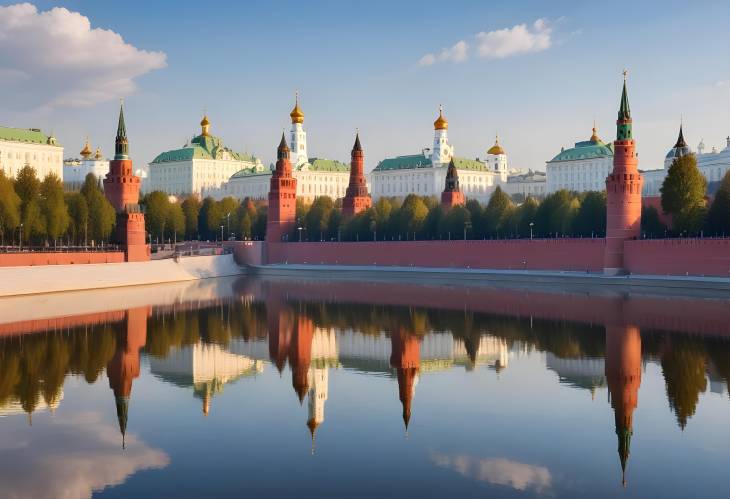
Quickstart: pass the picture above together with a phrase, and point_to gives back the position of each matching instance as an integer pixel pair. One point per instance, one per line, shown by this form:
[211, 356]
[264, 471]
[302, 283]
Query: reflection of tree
[683, 365]
[719, 353]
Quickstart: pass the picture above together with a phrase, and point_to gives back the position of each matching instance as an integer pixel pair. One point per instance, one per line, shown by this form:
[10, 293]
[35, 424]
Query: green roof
[249, 172]
[327, 165]
[31, 135]
[202, 147]
[585, 150]
[404, 163]
[415, 161]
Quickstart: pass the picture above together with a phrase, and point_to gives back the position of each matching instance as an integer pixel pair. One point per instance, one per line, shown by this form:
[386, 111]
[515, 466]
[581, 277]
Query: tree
[525, 214]
[496, 212]
[208, 212]
[53, 206]
[455, 222]
[478, 221]
[683, 194]
[102, 215]
[651, 224]
[318, 217]
[191, 209]
[28, 188]
[555, 213]
[411, 215]
[78, 212]
[590, 218]
[228, 208]
[718, 218]
[175, 222]
[157, 207]
[9, 206]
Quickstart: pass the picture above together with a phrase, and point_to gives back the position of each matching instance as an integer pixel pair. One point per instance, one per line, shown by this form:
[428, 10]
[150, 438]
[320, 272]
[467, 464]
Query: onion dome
[496, 149]
[98, 155]
[205, 126]
[441, 123]
[297, 115]
[594, 137]
[86, 151]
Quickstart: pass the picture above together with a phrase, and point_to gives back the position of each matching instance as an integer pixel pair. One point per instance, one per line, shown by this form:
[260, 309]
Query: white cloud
[456, 53]
[497, 471]
[56, 59]
[497, 44]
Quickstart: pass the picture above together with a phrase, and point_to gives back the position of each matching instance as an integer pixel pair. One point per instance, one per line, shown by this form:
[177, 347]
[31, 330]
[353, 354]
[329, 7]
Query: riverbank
[577, 281]
[29, 280]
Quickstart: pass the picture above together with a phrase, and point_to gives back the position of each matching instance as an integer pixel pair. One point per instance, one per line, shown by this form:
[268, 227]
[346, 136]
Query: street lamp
[228, 219]
[467, 225]
[532, 224]
[300, 233]
[221, 235]
[21, 237]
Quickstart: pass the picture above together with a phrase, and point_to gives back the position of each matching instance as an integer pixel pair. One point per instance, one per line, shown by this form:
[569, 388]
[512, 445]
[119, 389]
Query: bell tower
[356, 198]
[282, 197]
[623, 190]
[121, 187]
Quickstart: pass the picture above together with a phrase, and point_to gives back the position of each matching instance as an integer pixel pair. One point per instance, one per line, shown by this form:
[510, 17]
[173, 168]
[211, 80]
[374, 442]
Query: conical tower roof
[624, 112]
[121, 144]
[357, 146]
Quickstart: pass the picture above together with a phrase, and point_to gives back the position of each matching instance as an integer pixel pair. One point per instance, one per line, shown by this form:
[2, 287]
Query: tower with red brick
[121, 187]
[405, 357]
[623, 191]
[452, 195]
[282, 197]
[356, 198]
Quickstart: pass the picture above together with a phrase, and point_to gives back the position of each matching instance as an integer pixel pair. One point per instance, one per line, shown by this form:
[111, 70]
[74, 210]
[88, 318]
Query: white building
[528, 184]
[713, 165]
[581, 168]
[21, 146]
[76, 170]
[202, 164]
[424, 174]
[315, 176]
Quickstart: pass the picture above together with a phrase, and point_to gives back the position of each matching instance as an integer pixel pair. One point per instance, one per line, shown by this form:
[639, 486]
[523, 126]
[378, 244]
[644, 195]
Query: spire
[452, 178]
[624, 112]
[312, 425]
[624, 444]
[283, 150]
[121, 145]
[357, 146]
[122, 412]
[680, 140]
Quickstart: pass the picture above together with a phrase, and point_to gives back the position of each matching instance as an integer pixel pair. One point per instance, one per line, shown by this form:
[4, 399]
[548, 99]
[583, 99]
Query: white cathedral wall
[44, 158]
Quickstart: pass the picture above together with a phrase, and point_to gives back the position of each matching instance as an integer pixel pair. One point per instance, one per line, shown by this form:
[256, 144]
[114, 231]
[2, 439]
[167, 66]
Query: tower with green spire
[121, 144]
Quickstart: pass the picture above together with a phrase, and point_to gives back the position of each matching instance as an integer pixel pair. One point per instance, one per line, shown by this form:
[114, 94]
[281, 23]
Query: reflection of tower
[280, 327]
[405, 358]
[124, 366]
[300, 354]
[282, 197]
[318, 378]
[623, 375]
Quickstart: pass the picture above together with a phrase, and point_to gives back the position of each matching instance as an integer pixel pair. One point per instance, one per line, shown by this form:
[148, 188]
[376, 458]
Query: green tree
[455, 221]
[208, 212]
[53, 207]
[157, 208]
[28, 188]
[718, 218]
[590, 218]
[78, 212]
[683, 194]
[525, 214]
[555, 214]
[318, 217]
[433, 225]
[228, 207]
[191, 210]
[102, 215]
[175, 222]
[496, 213]
[651, 224]
[9, 207]
[411, 216]
[478, 220]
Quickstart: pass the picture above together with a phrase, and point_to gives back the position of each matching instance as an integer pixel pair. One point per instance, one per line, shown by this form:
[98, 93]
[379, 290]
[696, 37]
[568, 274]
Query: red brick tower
[124, 366]
[280, 325]
[405, 357]
[300, 354]
[452, 195]
[356, 198]
[282, 198]
[121, 188]
[623, 375]
[623, 189]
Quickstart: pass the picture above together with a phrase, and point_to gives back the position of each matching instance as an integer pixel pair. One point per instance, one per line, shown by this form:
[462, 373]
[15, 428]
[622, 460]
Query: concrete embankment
[55, 278]
[709, 286]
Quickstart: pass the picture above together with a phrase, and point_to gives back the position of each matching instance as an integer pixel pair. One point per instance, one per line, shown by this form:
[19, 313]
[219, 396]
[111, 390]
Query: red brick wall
[709, 257]
[27, 259]
[538, 254]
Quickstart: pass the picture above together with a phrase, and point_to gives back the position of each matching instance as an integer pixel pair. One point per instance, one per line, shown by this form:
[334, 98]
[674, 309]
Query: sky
[535, 72]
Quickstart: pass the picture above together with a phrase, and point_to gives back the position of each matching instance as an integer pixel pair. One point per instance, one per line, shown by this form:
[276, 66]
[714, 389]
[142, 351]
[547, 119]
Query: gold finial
[97, 156]
[86, 151]
[594, 136]
[297, 116]
[205, 125]
[441, 123]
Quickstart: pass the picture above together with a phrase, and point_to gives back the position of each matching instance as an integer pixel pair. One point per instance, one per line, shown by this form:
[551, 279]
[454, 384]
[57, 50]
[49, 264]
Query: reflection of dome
[297, 115]
[496, 148]
[441, 123]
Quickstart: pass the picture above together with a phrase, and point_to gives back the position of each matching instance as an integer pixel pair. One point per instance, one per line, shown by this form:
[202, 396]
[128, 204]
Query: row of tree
[41, 213]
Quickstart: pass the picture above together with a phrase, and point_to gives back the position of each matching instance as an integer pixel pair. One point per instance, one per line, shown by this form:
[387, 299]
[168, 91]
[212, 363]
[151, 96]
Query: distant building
[424, 174]
[204, 163]
[76, 170]
[713, 165]
[21, 146]
[581, 168]
[529, 184]
[315, 176]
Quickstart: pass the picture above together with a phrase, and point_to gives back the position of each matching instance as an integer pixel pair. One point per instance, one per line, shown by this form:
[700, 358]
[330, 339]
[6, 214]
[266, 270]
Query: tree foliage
[718, 217]
[683, 194]
[9, 207]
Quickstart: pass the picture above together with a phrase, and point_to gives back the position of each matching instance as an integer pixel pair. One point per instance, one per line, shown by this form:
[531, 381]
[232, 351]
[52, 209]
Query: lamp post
[467, 225]
[532, 224]
[21, 237]
[300, 233]
[221, 235]
[228, 219]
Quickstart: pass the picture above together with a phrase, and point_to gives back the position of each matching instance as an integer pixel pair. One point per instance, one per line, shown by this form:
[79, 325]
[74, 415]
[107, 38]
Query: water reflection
[204, 345]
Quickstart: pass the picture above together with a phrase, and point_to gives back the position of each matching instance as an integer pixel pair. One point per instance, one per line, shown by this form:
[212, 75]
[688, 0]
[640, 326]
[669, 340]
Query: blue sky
[356, 65]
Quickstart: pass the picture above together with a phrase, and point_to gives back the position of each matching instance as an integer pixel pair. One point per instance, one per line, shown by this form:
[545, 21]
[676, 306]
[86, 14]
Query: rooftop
[587, 149]
[415, 161]
[203, 147]
[28, 135]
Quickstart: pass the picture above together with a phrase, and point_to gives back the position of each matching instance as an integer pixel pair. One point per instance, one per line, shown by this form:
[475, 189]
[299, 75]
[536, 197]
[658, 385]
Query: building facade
[529, 184]
[581, 168]
[76, 170]
[21, 146]
[203, 164]
[424, 174]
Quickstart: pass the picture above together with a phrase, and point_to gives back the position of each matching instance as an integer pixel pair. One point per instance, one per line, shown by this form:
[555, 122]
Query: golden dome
[205, 125]
[594, 137]
[297, 116]
[496, 148]
[97, 156]
[441, 123]
[204, 121]
[86, 151]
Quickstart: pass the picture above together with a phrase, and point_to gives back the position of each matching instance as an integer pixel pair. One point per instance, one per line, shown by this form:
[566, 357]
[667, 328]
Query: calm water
[340, 389]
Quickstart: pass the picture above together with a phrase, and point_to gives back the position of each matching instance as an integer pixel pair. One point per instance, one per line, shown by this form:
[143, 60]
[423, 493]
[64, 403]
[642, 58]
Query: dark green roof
[327, 165]
[585, 150]
[201, 147]
[249, 172]
[469, 164]
[404, 163]
[30, 135]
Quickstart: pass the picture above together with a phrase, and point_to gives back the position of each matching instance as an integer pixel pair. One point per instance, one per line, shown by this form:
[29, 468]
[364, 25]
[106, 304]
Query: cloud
[497, 471]
[497, 44]
[66, 460]
[55, 59]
